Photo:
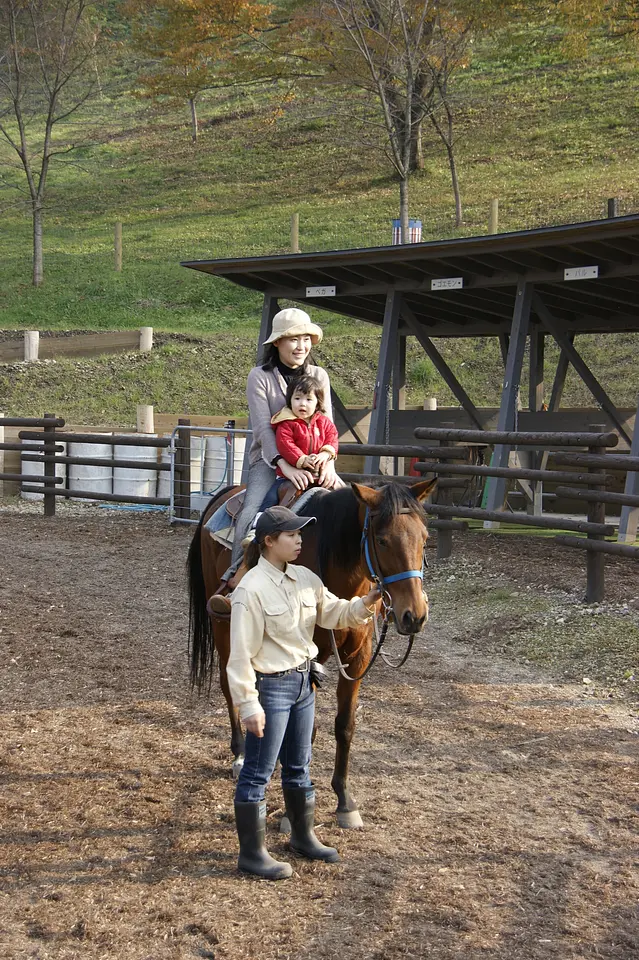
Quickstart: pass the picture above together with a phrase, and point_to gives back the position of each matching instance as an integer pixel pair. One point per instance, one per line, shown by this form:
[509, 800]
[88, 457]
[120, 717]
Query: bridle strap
[373, 564]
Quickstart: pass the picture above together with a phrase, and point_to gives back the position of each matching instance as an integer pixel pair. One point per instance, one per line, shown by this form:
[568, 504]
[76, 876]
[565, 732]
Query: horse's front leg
[358, 641]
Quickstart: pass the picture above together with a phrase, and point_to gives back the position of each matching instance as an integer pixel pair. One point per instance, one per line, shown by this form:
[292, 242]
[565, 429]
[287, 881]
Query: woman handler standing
[274, 612]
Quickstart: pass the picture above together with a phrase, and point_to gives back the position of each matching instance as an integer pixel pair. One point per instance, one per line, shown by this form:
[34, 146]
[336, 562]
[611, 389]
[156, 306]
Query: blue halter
[377, 577]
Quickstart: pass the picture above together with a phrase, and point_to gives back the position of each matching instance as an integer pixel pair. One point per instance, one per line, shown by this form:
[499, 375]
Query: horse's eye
[381, 541]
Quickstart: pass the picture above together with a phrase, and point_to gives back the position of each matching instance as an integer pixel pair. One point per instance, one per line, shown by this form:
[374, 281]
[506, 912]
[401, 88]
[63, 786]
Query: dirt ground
[497, 780]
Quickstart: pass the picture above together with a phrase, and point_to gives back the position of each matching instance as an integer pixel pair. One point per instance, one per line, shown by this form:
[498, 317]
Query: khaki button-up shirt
[274, 613]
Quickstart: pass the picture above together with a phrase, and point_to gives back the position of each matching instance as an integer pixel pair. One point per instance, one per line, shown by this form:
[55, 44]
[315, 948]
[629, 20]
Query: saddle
[288, 494]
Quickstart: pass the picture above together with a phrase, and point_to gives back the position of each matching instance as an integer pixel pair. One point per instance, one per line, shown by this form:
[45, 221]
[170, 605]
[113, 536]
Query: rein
[370, 555]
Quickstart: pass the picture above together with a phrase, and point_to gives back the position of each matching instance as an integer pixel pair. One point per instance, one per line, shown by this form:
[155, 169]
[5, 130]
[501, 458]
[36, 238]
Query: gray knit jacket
[266, 395]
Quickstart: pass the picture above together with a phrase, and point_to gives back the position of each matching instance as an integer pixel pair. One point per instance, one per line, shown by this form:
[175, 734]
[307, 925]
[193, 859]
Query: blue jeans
[272, 498]
[289, 704]
[259, 482]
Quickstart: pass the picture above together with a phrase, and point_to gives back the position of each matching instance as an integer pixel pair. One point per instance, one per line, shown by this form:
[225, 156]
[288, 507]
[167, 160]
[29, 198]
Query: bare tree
[382, 48]
[47, 73]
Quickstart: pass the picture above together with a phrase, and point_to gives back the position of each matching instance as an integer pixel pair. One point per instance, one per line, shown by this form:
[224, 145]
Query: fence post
[295, 233]
[595, 575]
[182, 472]
[118, 247]
[613, 207]
[2, 455]
[146, 339]
[493, 219]
[630, 515]
[49, 468]
[444, 496]
[144, 418]
[31, 344]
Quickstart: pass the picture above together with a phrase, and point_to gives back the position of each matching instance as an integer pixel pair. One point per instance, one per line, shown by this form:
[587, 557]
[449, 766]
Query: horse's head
[394, 539]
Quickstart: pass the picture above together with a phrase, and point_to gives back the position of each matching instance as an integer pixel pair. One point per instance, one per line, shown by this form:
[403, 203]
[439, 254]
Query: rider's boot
[219, 605]
[250, 819]
[300, 809]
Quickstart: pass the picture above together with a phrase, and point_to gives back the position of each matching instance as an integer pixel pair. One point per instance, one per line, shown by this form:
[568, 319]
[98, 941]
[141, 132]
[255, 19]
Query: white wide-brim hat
[293, 322]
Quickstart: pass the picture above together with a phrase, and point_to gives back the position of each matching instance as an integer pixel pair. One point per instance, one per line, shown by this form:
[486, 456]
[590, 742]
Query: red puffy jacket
[297, 439]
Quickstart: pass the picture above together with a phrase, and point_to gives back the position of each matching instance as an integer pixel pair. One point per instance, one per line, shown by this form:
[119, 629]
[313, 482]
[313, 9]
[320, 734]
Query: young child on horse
[305, 437]
[275, 608]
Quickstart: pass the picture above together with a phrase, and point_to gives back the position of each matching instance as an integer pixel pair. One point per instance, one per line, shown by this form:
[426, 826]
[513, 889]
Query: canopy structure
[557, 281]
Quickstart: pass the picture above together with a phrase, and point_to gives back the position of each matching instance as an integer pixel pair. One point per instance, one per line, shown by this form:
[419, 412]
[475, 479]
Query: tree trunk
[194, 123]
[455, 180]
[38, 274]
[417, 150]
[403, 208]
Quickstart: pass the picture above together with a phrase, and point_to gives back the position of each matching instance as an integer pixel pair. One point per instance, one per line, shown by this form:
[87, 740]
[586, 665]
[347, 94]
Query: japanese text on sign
[447, 283]
[581, 273]
[320, 291]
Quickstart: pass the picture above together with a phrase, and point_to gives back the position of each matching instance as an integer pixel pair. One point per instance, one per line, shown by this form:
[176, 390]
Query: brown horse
[357, 527]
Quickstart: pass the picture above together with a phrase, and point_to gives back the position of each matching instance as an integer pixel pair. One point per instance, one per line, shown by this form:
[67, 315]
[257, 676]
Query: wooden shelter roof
[489, 268]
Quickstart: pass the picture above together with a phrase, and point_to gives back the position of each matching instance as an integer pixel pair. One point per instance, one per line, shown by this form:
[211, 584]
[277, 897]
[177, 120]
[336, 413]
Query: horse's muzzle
[410, 624]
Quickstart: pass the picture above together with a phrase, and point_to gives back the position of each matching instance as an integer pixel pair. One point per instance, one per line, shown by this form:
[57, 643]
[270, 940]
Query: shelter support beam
[441, 366]
[495, 492]
[629, 519]
[399, 391]
[385, 364]
[270, 307]
[535, 405]
[556, 394]
[582, 368]
[346, 417]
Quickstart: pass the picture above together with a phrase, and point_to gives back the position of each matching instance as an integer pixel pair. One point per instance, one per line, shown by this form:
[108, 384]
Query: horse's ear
[423, 489]
[366, 495]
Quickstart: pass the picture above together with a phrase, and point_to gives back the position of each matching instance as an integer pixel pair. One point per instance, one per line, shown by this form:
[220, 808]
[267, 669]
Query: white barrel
[30, 467]
[217, 462]
[95, 479]
[133, 481]
[164, 478]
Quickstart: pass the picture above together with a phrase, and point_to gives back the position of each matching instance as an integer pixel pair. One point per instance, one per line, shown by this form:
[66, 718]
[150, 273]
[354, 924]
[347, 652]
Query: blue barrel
[414, 231]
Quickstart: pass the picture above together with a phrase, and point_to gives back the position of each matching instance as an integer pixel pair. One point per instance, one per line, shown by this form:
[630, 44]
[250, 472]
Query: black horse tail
[201, 639]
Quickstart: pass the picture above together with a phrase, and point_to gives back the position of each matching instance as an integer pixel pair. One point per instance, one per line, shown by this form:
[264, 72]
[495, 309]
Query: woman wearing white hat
[285, 359]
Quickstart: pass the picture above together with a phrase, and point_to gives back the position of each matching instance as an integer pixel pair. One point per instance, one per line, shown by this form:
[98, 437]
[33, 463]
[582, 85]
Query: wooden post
[1, 455]
[399, 392]
[118, 247]
[31, 344]
[493, 220]
[49, 468]
[595, 576]
[629, 519]
[146, 339]
[182, 472]
[444, 496]
[387, 350]
[144, 418]
[536, 405]
[295, 233]
[613, 207]
[495, 490]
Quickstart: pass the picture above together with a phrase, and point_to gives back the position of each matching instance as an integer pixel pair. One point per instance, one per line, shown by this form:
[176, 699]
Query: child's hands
[319, 459]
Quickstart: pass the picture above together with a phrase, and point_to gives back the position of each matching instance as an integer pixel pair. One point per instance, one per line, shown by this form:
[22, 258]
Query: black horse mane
[339, 530]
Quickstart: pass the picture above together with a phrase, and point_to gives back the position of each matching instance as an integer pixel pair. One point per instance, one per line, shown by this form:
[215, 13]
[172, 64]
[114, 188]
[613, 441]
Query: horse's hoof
[236, 769]
[349, 820]
[285, 825]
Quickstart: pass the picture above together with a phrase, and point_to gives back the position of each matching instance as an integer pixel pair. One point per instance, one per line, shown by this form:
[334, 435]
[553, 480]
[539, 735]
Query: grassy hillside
[551, 139]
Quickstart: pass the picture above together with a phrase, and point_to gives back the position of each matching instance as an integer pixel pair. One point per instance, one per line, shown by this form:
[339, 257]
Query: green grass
[552, 140]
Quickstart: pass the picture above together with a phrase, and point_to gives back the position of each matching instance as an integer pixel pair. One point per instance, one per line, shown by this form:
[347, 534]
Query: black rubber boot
[250, 819]
[300, 809]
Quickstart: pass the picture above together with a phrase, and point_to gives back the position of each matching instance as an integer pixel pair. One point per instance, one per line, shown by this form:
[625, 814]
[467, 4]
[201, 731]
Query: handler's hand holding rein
[256, 723]
[372, 597]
